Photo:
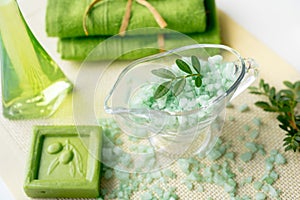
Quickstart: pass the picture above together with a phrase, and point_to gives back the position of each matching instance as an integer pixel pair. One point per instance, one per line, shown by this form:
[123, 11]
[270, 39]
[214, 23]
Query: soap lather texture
[64, 17]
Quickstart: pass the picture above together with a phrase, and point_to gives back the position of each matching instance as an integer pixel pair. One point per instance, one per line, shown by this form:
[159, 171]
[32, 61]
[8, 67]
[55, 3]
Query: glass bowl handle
[249, 78]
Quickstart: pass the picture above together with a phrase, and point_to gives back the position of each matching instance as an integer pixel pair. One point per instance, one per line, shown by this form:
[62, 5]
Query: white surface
[10, 172]
[276, 23]
[4, 191]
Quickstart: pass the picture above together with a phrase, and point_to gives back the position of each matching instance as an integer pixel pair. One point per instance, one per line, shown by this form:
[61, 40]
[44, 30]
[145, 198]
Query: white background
[276, 23]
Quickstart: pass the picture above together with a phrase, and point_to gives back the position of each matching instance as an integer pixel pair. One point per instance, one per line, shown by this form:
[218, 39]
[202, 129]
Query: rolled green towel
[80, 48]
[64, 18]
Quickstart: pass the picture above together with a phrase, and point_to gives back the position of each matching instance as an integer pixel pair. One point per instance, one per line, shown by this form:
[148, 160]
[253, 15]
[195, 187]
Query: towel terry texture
[195, 18]
[64, 17]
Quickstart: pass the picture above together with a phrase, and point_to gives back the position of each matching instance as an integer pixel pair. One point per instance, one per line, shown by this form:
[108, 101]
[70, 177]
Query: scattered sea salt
[247, 180]
[108, 174]
[280, 159]
[246, 127]
[257, 121]
[257, 185]
[217, 170]
[146, 196]
[260, 196]
[251, 146]
[269, 180]
[229, 105]
[230, 156]
[246, 157]
[244, 108]
[200, 188]
[184, 165]
[241, 137]
[254, 134]
[231, 118]
[269, 165]
[169, 173]
[274, 175]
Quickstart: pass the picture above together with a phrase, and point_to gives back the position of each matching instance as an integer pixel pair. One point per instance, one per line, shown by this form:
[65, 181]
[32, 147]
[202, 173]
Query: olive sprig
[176, 84]
[65, 154]
[286, 103]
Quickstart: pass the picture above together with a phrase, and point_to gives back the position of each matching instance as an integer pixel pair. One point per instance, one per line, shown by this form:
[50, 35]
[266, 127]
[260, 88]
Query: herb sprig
[176, 84]
[286, 103]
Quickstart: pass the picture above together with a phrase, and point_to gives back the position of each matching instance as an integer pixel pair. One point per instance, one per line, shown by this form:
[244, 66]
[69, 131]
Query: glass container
[33, 85]
[182, 133]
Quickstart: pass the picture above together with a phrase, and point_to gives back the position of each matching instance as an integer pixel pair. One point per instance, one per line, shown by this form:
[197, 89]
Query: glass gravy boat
[177, 133]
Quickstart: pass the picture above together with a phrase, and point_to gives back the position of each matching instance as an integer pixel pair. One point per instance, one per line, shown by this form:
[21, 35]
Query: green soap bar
[64, 161]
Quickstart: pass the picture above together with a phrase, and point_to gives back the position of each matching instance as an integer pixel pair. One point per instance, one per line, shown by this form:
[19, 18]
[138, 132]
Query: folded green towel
[64, 17]
[128, 48]
[80, 48]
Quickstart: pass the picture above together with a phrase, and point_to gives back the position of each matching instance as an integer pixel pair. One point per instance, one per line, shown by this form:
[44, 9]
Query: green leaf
[266, 88]
[78, 161]
[54, 163]
[72, 169]
[196, 64]
[261, 83]
[162, 89]
[284, 127]
[283, 120]
[179, 86]
[286, 143]
[183, 66]
[288, 84]
[288, 148]
[262, 104]
[296, 144]
[285, 108]
[164, 73]
[287, 93]
[272, 92]
[252, 88]
[297, 85]
[255, 92]
[198, 81]
[265, 106]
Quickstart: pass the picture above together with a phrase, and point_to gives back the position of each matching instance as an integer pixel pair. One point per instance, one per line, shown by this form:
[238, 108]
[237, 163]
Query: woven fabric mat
[272, 68]
[270, 136]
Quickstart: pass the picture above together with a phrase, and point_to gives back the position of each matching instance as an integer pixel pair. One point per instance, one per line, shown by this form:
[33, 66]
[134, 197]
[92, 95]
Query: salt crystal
[217, 59]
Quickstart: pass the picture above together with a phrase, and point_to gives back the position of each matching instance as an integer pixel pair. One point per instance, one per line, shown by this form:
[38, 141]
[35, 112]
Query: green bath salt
[184, 98]
[216, 75]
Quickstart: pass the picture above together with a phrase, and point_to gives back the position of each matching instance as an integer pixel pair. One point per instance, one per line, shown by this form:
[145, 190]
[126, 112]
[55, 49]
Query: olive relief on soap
[64, 162]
